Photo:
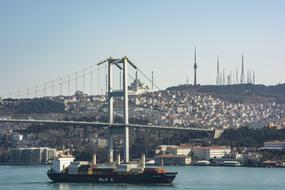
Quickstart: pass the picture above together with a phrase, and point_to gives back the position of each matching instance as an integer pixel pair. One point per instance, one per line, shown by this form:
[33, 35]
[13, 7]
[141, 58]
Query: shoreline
[32, 164]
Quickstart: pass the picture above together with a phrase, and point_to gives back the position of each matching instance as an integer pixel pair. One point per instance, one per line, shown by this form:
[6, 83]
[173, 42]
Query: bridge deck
[100, 124]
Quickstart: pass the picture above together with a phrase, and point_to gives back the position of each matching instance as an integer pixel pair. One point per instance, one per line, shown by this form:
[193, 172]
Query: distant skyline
[45, 40]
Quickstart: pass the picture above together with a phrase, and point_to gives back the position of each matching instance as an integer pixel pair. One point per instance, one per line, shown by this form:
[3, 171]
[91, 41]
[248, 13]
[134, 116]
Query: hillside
[244, 93]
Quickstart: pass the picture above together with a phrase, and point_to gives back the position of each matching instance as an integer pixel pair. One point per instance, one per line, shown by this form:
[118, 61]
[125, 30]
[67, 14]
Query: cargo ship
[65, 169]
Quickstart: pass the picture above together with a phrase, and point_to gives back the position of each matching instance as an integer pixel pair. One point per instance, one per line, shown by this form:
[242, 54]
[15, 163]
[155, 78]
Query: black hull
[165, 178]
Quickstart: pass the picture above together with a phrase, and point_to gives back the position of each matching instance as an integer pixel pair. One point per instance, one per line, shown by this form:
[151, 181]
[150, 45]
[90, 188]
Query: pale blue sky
[44, 40]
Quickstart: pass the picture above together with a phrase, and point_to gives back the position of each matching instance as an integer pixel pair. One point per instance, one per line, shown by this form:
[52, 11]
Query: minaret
[195, 68]
[218, 72]
[242, 71]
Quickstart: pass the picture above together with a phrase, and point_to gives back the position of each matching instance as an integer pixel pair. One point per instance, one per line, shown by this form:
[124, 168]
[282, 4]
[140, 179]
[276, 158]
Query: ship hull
[144, 178]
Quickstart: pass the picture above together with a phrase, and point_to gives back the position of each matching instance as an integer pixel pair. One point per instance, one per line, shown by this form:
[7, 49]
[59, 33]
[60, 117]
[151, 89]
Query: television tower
[218, 72]
[195, 67]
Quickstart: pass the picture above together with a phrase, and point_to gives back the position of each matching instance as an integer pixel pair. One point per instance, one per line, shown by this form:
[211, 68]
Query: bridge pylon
[111, 94]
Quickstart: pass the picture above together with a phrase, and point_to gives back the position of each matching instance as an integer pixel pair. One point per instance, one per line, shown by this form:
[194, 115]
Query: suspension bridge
[64, 86]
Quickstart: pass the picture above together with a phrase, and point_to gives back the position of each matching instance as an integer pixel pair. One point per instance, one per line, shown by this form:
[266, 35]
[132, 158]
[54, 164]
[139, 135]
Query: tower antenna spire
[242, 70]
[218, 72]
[195, 67]
[253, 77]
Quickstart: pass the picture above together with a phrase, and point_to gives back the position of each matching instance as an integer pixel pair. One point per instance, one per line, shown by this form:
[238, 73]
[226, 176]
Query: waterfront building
[161, 149]
[180, 150]
[274, 145]
[169, 159]
[41, 155]
[206, 153]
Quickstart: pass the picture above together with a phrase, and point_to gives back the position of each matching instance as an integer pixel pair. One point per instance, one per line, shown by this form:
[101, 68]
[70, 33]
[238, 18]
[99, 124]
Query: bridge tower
[195, 67]
[110, 105]
[111, 94]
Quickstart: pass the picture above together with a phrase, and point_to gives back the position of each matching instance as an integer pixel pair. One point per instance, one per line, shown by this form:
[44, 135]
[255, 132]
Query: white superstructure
[59, 164]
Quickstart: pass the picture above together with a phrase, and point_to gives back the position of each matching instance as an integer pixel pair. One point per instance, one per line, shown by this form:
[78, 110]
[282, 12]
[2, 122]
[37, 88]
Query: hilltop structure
[229, 78]
[195, 67]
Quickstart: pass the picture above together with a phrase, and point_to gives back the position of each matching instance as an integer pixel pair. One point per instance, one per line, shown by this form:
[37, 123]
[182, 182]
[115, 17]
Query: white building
[274, 145]
[38, 155]
[180, 150]
[137, 87]
[206, 153]
[59, 164]
[168, 159]
[161, 149]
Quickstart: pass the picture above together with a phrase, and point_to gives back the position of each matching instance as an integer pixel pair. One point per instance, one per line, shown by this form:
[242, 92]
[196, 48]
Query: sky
[42, 41]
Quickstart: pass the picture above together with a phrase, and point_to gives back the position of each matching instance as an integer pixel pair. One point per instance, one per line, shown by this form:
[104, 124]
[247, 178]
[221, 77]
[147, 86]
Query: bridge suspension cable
[150, 80]
[72, 82]
[61, 86]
